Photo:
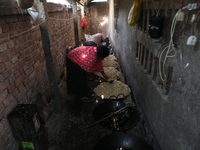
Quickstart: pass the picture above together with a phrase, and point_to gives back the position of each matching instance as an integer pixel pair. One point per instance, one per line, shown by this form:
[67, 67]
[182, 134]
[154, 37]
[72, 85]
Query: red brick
[11, 19]
[2, 67]
[1, 110]
[24, 53]
[26, 81]
[5, 123]
[6, 55]
[5, 28]
[31, 83]
[10, 44]
[22, 88]
[1, 78]
[2, 87]
[8, 109]
[17, 73]
[19, 80]
[5, 134]
[14, 68]
[21, 63]
[37, 64]
[19, 97]
[37, 58]
[29, 71]
[32, 75]
[3, 95]
[7, 73]
[3, 38]
[30, 43]
[29, 58]
[21, 39]
[11, 88]
[3, 47]
[1, 114]
[14, 92]
[14, 59]
[13, 34]
[11, 79]
[8, 64]
[1, 127]
[31, 36]
[7, 100]
[19, 48]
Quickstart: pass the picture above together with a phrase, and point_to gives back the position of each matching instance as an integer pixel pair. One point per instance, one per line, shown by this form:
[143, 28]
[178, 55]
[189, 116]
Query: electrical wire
[157, 10]
[17, 35]
[169, 48]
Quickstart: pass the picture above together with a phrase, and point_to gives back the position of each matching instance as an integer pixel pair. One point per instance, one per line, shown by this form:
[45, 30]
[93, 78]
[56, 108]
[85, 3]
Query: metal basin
[121, 121]
[122, 141]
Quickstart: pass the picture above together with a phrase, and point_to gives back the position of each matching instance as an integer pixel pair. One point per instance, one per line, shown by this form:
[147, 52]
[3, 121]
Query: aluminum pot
[24, 4]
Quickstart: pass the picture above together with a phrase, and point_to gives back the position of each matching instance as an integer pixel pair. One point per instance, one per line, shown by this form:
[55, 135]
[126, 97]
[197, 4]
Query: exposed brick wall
[23, 71]
[62, 28]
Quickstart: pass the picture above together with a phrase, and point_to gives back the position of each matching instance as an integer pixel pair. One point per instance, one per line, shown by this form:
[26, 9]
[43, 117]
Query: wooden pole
[75, 23]
[41, 6]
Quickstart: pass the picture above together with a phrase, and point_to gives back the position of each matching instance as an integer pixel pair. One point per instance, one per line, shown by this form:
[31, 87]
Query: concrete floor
[69, 131]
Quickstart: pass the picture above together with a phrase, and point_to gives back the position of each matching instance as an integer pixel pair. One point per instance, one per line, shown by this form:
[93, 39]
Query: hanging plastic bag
[134, 13]
[33, 13]
[84, 23]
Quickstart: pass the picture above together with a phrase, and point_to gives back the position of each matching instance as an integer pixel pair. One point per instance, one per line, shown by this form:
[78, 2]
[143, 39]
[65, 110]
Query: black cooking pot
[123, 120]
[122, 141]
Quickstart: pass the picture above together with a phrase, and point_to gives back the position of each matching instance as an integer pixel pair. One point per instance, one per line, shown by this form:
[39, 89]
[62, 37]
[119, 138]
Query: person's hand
[102, 79]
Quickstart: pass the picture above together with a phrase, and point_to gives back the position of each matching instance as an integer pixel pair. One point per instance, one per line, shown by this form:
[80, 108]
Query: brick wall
[23, 71]
[62, 28]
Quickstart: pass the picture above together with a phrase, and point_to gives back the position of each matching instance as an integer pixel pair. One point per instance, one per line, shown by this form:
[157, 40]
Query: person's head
[102, 52]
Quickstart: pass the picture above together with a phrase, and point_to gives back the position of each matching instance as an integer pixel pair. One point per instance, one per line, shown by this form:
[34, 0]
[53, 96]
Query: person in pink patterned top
[82, 60]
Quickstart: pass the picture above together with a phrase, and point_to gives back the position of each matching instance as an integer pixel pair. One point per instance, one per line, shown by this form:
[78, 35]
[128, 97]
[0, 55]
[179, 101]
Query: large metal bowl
[121, 121]
[122, 141]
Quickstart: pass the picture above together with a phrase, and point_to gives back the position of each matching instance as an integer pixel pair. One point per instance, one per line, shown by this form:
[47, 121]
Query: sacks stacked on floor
[115, 87]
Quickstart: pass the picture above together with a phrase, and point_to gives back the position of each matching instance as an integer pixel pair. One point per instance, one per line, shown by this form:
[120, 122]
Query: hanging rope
[157, 10]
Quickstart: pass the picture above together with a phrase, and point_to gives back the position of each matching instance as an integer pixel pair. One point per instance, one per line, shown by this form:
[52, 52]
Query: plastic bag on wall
[134, 13]
[34, 15]
[84, 23]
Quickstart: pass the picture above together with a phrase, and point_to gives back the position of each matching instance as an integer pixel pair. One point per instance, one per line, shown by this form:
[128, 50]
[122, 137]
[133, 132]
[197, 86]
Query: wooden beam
[75, 24]
[41, 6]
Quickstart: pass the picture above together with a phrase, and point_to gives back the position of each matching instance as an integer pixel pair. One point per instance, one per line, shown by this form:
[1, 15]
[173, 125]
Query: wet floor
[71, 130]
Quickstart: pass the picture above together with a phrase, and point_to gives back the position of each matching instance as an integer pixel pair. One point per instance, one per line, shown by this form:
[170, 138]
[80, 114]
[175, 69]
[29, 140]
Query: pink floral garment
[86, 58]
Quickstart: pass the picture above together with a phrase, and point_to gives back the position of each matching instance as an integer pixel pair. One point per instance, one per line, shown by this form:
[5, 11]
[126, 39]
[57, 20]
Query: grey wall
[171, 106]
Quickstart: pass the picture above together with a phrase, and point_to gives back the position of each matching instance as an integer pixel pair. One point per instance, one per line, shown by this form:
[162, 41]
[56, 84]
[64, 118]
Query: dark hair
[102, 51]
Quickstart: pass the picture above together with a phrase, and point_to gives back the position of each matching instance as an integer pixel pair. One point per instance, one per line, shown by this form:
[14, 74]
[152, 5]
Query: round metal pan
[121, 121]
[122, 141]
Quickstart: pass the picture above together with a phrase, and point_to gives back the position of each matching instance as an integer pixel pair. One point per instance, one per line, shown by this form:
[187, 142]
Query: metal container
[116, 115]
[122, 141]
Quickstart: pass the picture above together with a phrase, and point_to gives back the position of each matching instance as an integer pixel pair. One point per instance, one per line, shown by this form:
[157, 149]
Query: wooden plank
[41, 6]
[75, 24]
